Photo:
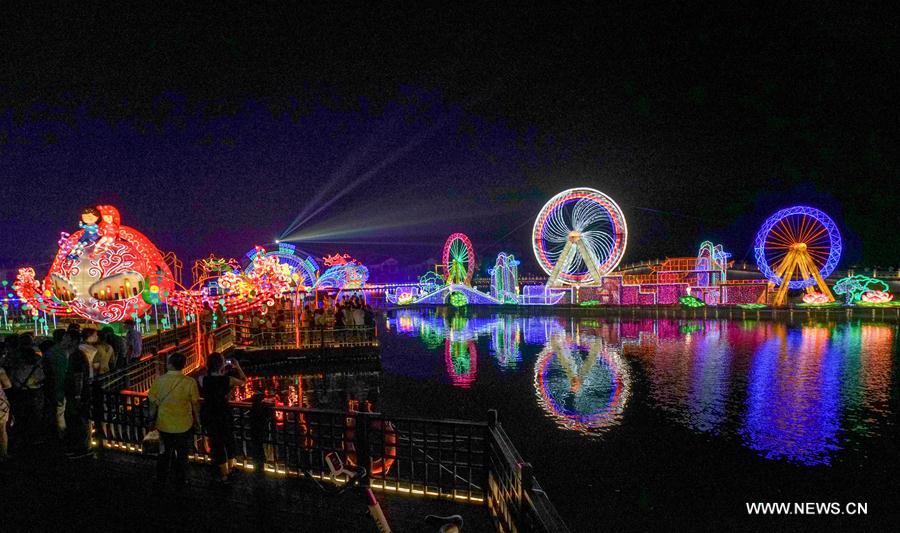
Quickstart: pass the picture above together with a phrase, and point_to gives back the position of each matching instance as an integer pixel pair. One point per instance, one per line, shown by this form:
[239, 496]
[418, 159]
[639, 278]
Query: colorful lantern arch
[305, 271]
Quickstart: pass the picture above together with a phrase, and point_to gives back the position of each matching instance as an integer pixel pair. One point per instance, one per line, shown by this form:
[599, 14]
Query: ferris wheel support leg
[785, 269]
[764, 297]
[823, 287]
[560, 264]
[804, 264]
[590, 260]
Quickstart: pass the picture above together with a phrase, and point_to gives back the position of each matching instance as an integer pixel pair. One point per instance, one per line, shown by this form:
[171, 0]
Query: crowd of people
[348, 312]
[46, 386]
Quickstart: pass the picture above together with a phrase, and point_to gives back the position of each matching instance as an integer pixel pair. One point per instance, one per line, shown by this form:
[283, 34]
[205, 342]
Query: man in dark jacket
[56, 362]
[78, 402]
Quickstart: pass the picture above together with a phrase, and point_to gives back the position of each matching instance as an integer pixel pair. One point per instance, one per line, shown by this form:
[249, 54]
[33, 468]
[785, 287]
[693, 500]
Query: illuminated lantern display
[853, 287]
[305, 271]
[405, 295]
[458, 299]
[505, 279]
[815, 298]
[691, 301]
[876, 297]
[104, 272]
[255, 288]
[579, 236]
[343, 272]
[431, 281]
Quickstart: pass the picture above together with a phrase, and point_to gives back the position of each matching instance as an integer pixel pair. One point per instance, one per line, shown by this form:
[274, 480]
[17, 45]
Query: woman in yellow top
[177, 402]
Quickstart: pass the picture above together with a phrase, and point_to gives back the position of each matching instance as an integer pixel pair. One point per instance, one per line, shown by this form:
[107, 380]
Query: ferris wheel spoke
[798, 222]
[780, 234]
[815, 236]
[786, 228]
[777, 241]
[807, 225]
[808, 230]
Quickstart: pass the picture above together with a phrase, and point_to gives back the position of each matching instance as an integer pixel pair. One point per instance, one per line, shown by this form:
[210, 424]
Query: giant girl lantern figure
[104, 272]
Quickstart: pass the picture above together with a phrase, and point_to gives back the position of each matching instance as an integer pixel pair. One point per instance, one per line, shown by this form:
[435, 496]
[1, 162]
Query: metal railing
[223, 338]
[138, 375]
[313, 338]
[468, 462]
[514, 498]
[438, 458]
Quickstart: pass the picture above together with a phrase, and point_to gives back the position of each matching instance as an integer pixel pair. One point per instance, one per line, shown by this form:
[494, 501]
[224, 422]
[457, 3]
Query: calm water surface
[646, 422]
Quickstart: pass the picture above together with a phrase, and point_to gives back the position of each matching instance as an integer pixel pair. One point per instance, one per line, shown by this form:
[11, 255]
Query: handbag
[150, 444]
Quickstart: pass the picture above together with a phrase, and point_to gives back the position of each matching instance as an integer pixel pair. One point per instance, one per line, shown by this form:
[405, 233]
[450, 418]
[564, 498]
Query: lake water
[656, 423]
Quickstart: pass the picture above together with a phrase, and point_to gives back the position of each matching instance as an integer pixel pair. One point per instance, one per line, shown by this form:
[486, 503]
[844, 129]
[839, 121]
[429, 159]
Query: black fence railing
[514, 497]
[465, 461]
[438, 458]
[314, 338]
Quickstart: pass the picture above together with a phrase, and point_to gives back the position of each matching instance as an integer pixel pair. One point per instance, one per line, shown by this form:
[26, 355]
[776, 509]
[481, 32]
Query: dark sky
[390, 128]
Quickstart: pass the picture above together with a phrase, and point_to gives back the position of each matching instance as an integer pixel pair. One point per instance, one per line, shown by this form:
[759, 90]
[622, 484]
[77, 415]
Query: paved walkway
[42, 491]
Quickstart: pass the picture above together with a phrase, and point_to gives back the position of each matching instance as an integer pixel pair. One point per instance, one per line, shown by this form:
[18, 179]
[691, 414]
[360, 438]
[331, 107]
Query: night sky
[384, 130]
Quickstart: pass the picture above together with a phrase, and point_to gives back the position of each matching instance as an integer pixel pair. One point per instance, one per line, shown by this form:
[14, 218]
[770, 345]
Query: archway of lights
[458, 258]
[582, 383]
[303, 271]
[343, 273]
[104, 272]
[797, 248]
[578, 236]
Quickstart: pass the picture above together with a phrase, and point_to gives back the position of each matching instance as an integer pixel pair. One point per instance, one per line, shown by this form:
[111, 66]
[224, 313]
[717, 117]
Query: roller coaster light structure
[505, 279]
[712, 257]
[797, 248]
[579, 236]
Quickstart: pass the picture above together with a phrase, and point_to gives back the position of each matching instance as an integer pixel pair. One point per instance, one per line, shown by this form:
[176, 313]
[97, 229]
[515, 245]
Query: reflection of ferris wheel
[583, 385]
[459, 259]
[578, 236]
[800, 245]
